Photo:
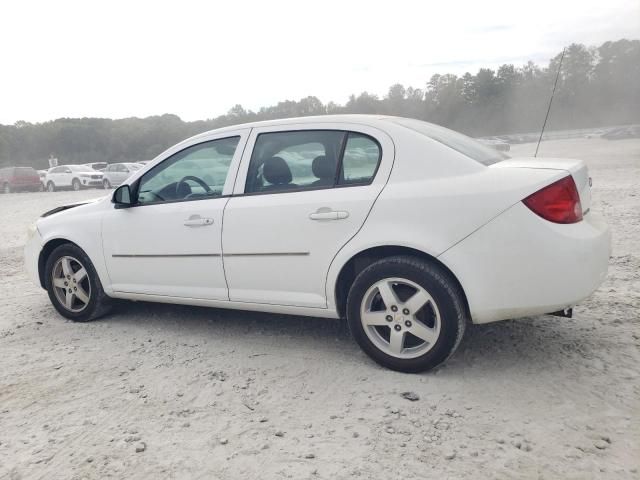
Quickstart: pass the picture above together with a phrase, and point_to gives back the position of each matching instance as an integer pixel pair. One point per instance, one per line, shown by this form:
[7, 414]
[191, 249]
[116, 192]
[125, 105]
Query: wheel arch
[366, 257]
[46, 251]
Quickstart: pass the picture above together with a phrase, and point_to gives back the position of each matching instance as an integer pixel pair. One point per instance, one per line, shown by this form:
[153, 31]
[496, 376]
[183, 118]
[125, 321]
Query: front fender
[82, 226]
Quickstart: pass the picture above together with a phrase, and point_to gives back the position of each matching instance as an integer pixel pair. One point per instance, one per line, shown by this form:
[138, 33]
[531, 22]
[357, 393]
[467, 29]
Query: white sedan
[406, 229]
[75, 177]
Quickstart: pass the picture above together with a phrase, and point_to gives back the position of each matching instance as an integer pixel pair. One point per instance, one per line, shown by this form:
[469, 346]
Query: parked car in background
[43, 177]
[99, 166]
[15, 179]
[75, 177]
[622, 133]
[406, 229]
[116, 173]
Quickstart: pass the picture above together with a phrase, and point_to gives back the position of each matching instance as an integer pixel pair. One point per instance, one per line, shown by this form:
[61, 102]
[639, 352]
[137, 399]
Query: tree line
[598, 86]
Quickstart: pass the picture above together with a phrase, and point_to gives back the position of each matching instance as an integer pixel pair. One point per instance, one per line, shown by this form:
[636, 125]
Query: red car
[13, 179]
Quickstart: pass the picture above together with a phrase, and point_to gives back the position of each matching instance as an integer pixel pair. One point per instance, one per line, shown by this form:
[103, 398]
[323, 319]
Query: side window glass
[296, 160]
[199, 171]
[360, 161]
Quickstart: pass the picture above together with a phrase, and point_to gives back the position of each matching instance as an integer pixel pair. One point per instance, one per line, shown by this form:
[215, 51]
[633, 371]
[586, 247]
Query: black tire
[51, 187]
[441, 287]
[106, 184]
[99, 303]
[6, 188]
[76, 185]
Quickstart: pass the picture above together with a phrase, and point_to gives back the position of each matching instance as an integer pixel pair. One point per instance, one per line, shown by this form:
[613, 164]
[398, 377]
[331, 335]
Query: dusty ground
[156, 391]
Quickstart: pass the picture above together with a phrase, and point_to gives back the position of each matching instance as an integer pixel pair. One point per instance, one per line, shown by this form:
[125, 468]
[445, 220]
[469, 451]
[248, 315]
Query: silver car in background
[116, 173]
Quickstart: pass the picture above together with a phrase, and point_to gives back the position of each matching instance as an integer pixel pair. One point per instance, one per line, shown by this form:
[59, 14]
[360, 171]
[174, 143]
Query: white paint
[425, 196]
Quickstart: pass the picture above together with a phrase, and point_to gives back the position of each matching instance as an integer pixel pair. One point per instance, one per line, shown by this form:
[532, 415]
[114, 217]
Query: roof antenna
[550, 102]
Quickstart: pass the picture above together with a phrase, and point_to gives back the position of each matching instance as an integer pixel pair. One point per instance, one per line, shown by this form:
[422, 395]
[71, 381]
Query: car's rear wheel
[51, 187]
[106, 184]
[6, 188]
[73, 284]
[406, 314]
[75, 184]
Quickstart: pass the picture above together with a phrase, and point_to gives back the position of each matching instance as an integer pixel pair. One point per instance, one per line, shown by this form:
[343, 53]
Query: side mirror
[122, 197]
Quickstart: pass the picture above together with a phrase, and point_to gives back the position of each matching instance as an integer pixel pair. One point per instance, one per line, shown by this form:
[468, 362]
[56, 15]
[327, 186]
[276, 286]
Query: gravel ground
[158, 391]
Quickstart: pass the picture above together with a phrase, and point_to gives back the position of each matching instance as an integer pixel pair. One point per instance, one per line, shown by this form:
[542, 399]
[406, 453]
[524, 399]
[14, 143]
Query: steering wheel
[184, 180]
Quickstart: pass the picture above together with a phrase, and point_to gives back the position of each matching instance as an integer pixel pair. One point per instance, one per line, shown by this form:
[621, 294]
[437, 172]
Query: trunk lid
[577, 168]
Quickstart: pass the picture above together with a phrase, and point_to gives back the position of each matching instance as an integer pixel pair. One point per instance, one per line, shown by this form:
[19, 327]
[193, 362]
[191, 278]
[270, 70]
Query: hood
[62, 208]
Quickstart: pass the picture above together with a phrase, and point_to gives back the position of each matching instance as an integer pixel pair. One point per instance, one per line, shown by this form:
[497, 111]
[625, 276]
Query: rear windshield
[457, 141]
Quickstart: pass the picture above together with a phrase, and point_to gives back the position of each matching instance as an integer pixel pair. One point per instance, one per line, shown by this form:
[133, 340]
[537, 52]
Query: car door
[169, 242]
[302, 192]
[65, 177]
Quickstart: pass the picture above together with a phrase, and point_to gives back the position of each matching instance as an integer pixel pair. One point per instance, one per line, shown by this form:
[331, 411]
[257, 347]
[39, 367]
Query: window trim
[339, 172]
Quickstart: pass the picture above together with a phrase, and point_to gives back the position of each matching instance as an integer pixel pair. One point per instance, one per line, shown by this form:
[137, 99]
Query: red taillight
[558, 202]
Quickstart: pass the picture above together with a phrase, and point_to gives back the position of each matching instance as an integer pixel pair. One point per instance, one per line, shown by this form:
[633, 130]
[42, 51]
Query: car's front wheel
[406, 314]
[106, 184]
[51, 187]
[73, 284]
[75, 184]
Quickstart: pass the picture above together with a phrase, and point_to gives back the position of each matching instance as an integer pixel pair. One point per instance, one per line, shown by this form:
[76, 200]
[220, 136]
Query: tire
[88, 300]
[75, 184]
[439, 314]
[41, 188]
[6, 188]
[105, 184]
[51, 187]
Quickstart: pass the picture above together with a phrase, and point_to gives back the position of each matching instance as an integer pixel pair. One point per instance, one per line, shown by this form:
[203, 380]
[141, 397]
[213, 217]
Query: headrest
[276, 171]
[323, 168]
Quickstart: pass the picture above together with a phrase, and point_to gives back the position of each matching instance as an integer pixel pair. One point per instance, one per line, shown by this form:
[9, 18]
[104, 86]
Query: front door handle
[325, 213]
[197, 221]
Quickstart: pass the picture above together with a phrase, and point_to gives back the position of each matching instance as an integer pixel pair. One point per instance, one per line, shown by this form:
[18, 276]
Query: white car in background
[99, 166]
[75, 177]
[116, 173]
[406, 229]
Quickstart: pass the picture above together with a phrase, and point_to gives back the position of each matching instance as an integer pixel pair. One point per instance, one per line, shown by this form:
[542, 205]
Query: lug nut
[405, 311]
[397, 328]
[76, 288]
[66, 284]
[389, 318]
[408, 324]
[394, 308]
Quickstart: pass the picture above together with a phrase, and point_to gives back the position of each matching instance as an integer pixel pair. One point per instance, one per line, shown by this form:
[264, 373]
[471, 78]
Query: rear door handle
[197, 221]
[328, 214]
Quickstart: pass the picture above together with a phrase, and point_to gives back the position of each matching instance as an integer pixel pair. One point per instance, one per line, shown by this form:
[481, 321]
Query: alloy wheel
[71, 284]
[400, 318]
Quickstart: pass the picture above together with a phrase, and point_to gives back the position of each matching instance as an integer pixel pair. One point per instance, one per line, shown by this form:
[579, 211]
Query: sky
[197, 59]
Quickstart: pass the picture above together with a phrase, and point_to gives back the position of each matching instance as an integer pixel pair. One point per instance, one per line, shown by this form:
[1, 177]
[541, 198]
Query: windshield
[81, 168]
[457, 141]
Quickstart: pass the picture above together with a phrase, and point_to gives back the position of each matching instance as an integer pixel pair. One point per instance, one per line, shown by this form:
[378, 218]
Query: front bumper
[520, 265]
[32, 255]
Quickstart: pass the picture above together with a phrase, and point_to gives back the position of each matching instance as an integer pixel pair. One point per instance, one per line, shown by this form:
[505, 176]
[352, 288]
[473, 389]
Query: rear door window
[311, 159]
